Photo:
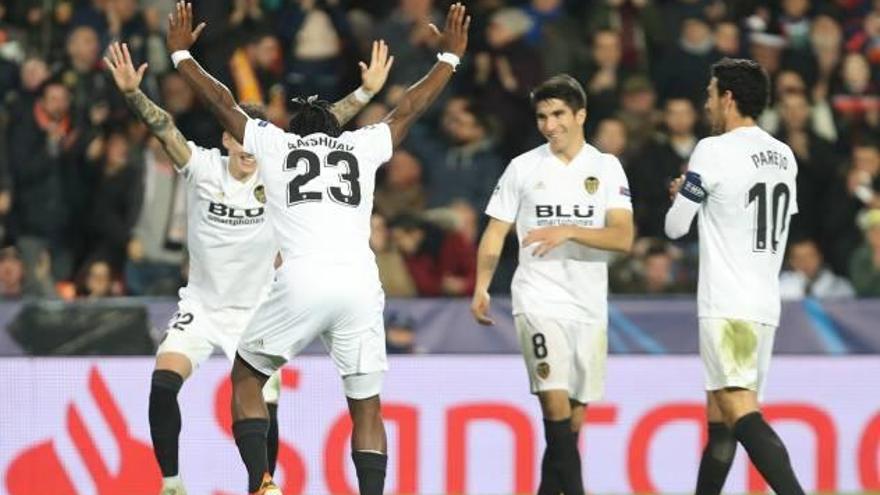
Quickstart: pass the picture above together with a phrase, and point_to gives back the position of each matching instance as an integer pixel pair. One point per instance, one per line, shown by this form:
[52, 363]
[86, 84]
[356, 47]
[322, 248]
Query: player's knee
[363, 386]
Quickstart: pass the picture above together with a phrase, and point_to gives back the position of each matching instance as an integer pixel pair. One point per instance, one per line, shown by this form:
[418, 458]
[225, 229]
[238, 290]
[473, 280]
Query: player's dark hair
[254, 110]
[747, 82]
[311, 115]
[561, 87]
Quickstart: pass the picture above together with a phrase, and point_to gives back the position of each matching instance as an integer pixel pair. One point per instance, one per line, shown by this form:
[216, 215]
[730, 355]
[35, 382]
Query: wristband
[179, 56]
[363, 96]
[449, 58]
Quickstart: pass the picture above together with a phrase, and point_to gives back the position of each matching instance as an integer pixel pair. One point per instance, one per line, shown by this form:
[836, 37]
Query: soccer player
[741, 185]
[571, 204]
[319, 188]
[232, 250]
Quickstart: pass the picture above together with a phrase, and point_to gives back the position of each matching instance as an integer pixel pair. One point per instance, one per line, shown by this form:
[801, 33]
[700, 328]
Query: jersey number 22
[348, 193]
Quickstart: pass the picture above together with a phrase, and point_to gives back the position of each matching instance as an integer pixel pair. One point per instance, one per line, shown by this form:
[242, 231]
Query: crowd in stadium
[90, 205]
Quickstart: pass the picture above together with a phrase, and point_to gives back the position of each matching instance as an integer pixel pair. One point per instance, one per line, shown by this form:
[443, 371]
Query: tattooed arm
[158, 120]
[161, 125]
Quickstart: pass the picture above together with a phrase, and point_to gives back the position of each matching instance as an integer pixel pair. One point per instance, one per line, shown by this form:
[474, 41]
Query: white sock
[172, 481]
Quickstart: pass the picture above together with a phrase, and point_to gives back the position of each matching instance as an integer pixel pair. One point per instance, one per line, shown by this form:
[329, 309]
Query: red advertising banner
[455, 425]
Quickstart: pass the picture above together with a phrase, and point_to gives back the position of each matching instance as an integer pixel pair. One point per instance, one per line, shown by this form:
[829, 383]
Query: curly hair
[311, 115]
[747, 81]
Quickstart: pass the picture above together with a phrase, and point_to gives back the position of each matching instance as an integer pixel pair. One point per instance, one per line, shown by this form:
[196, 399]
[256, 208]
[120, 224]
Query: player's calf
[716, 460]
[171, 371]
[561, 464]
[250, 422]
[368, 442]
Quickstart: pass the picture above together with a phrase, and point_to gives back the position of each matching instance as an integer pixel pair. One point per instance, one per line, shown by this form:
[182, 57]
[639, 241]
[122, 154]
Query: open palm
[118, 61]
[373, 76]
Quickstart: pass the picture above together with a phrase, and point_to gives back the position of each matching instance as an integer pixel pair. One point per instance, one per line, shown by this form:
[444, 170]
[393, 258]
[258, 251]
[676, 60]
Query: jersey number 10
[349, 177]
[777, 203]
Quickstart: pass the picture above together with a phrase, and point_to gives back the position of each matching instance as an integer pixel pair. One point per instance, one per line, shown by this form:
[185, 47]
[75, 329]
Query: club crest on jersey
[543, 370]
[260, 193]
[591, 184]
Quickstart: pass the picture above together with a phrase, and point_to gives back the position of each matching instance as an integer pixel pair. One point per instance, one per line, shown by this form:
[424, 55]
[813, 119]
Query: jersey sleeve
[617, 194]
[375, 142]
[199, 163]
[504, 203]
[701, 177]
[260, 136]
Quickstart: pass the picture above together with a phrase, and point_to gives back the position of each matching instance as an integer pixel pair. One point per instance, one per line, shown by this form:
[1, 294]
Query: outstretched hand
[454, 37]
[181, 35]
[373, 76]
[118, 61]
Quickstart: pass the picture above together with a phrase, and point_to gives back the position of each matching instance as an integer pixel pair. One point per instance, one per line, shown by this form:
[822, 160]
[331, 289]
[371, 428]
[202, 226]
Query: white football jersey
[538, 190]
[748, 197]
[320, 194]
[230, 241]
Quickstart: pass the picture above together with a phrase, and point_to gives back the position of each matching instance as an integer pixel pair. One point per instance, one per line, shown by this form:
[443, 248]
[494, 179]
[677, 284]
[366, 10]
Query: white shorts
[345, 315]
[195, 331]
[735, 353]
[564, 354]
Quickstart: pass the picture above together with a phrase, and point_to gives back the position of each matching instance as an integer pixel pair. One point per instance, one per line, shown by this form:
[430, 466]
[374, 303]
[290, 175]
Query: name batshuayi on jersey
[320, 193]
[749, 193]
[538, 190]
[231, 243]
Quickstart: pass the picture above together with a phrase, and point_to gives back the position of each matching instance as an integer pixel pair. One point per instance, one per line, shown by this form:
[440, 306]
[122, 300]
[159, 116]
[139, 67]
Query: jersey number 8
[348, 196]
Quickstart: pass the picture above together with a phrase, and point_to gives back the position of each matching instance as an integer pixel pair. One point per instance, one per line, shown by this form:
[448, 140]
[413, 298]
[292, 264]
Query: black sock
[370, 467]
[562, 458]
[272, 437]
[165, 419]
[767, 453]
[250, 436]
[717, 459]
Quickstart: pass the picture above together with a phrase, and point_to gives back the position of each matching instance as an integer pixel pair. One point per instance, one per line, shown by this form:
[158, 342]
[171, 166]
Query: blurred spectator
[821, 118]
[126, 23]
[373, 113]
[856, 101]
[556, 35]
[11, 275]
[826, 39]
[640, 24]
[605, 76]
[727, 40]
[795, 24]
[116, 202]
[638, 113]
[809, 277]
[393, 272]
[611, 137]
[96, 280]
[400, 337]
[815, 160]
[256, 69]
[43, 180]
[33, 74]
[440, 262]
[5, 178]
[155, 251]
[412, 42]
[401, 190]
[652, 268]
[465, 164]
[864, 268]
[767, 49]
[856, 190]
[84, 78]
[662, 160]
[867, 39]
[685, 68]
[315, 38]
[505, 75]
[194, 122]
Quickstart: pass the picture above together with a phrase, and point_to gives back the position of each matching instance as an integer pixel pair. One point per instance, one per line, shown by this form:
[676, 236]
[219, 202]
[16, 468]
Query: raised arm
[128, 80]
[212, 92]
[488, 255]
[373, 77]
[419, 96]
